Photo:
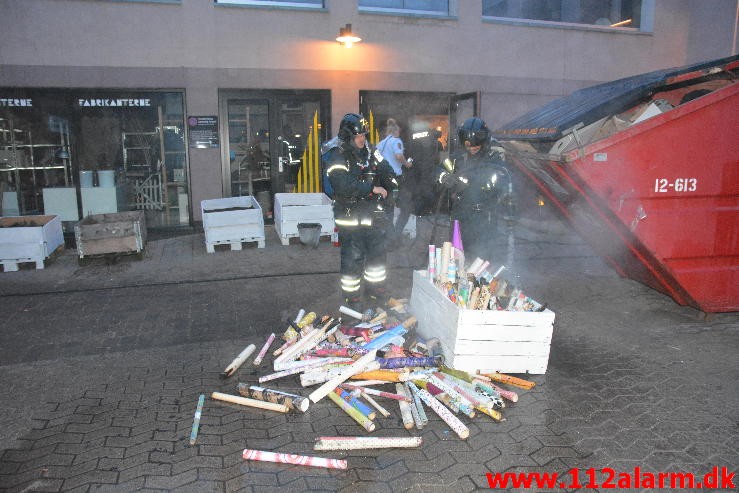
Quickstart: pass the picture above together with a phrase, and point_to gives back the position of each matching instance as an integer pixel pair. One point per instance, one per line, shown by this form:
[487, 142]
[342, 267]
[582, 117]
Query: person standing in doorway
[393, 150]
[363, 184]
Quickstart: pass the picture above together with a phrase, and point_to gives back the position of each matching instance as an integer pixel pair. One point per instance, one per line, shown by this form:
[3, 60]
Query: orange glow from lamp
[347, 37]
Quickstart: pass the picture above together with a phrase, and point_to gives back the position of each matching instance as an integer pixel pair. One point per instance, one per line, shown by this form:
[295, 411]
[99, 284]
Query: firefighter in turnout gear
[480, 187]
[362, 186]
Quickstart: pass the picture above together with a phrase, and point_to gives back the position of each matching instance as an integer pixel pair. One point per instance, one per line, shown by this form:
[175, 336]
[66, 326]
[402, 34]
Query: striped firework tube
[298, 460]
[362, 443]
[292, 401]
[455, 424]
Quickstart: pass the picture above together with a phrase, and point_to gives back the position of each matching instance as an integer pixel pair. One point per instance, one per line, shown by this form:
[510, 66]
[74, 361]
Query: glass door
[461, 107]
[271, 136]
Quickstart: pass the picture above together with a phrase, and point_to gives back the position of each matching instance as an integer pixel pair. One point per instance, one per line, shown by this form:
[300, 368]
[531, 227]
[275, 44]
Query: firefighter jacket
[353, 173]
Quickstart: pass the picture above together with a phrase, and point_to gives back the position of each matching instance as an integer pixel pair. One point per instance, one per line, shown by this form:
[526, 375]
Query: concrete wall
[201, 47]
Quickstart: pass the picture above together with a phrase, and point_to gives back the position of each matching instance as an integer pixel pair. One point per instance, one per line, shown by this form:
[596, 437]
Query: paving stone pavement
[101, 367]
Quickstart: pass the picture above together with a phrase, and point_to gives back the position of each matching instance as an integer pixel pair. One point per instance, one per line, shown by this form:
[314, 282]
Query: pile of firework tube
[365, 369]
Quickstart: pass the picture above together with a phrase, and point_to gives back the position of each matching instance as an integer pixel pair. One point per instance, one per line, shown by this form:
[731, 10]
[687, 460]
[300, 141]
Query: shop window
[78, 152]
[418, 7]
[626, 14]
[313, 4]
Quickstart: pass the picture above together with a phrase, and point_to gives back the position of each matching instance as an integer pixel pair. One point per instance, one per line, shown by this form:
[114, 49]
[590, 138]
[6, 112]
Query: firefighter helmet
[352, 124]
[475, 131]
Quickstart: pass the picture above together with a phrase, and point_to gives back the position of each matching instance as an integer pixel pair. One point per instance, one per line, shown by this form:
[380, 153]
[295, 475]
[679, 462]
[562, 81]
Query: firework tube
[352, 411]
[460, 374]
[481, 268]
[244, 401]
[315, 340]
[454, 404]
[438, 266]
[386, 338]
[238, 361]
[419, 415]
[378, 393]
[405, 407]
[298, 460]
[357, 367]
[311, 364]
[468, 393]
[375, 404]
[506, 394]
[364, 383]
[432, 263]
[492, 413]
[392, 363]
[381, 315]
[292, 349]
[258, 360]
[352, 313]
[446, 254]
[355, 331]
[292, 401]
[454, 423]
[353, 400]
[363, 443]
[515, 381]
[196, 419]
[385, 375]
[462, 402]
[474, 265]
[287, 344]
[486, 389]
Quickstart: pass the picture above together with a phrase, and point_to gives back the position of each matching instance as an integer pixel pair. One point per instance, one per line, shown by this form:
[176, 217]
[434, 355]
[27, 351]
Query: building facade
[157, 105]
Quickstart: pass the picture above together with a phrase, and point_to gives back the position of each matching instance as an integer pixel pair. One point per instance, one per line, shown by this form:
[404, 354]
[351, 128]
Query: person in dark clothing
[480, 187]
[362, 183]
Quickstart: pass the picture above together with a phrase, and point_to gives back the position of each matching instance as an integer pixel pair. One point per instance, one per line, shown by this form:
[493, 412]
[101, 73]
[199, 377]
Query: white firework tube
[446, 255]
[298, 460]
[352, 313]
[287, 354]
[474, 265]
[454, 423]
[318, 376]
[500, 269]
[315, 339]
[367, 383]
[312, 365]
[301, 314]
[438, 265]
[239, 360]
[477, 400]
[362, 364]
[449, 390]
[417, 403]
[307, 364]
[375, 404]
[482, 268]
[431, 270]
[405, 407]
[245, 401]
[414, 409]
[364, 443]
[258, 360]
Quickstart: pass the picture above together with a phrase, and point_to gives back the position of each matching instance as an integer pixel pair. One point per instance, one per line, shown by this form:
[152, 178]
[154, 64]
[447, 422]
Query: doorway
[266, 135]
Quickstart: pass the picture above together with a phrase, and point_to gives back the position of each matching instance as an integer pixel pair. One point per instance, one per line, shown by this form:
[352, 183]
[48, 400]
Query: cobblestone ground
[100, 381]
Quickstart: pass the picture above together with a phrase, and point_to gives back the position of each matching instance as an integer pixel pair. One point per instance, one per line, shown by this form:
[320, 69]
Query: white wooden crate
[486, 340]
[294, 208]
[232, 221]
[28, 239]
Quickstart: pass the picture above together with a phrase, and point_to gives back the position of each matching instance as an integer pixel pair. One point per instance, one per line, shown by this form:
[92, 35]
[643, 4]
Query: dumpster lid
[588, 105]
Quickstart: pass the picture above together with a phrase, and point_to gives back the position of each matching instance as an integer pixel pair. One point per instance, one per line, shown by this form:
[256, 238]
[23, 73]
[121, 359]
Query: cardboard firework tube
[364, 443]
[506, 394]
[287, 344]
[378, 393]
[292, 401]
[492, 413]
[392, 363]
[460, 374]
[298, 460]
[405, 407]
[294, 348]
[446, 254]
[486, 389]
[462, 401]
[357, 367]
[258, 360]
[352, 411]
[454, 423]
[196, 419]
[354, 401]
[381, 315]
[438, 266]
[474, 265]
[244, 401]
[352, 313]
[238, 361]
[431, 270]
[385, 375]
[515, 381]
[455, 405]
[375, 404]
[419, 415]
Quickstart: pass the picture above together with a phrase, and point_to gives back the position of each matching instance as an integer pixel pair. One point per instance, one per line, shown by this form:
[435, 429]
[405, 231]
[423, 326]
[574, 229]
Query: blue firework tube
[196, 419]
[391, 363]
[355, 402]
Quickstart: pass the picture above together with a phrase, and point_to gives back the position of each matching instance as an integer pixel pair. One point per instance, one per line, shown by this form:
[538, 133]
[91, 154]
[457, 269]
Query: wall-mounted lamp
[347, 37]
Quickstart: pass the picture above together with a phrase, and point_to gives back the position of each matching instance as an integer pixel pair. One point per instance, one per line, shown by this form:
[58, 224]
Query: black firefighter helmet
[475, 131]
[352, 124]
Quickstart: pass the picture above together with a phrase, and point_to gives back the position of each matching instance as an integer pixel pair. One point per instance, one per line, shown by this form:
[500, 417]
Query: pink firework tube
[298, 460]
[454, 423]
[506, 394]
[405, 407]
[432, 263]
[265, 348]
[378, 393]
[353, 412]
[287, 344]
[355, 331]
[364, 443]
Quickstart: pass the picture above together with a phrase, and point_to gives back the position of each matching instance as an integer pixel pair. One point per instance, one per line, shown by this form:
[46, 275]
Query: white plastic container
[86, 178]
[106, 178]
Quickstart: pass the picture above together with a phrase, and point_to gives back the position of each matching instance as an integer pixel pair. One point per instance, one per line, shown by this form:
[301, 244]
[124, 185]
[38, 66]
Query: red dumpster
[646, 169]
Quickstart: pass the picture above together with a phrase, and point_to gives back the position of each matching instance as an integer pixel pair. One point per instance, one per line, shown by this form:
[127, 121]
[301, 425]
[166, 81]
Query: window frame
[451, 13]
[272, 4]
[646, 27]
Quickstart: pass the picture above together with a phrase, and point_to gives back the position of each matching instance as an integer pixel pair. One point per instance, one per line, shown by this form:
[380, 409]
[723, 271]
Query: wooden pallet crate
[232, 221]
[292, 209]
[485, 340]
[111, 234]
